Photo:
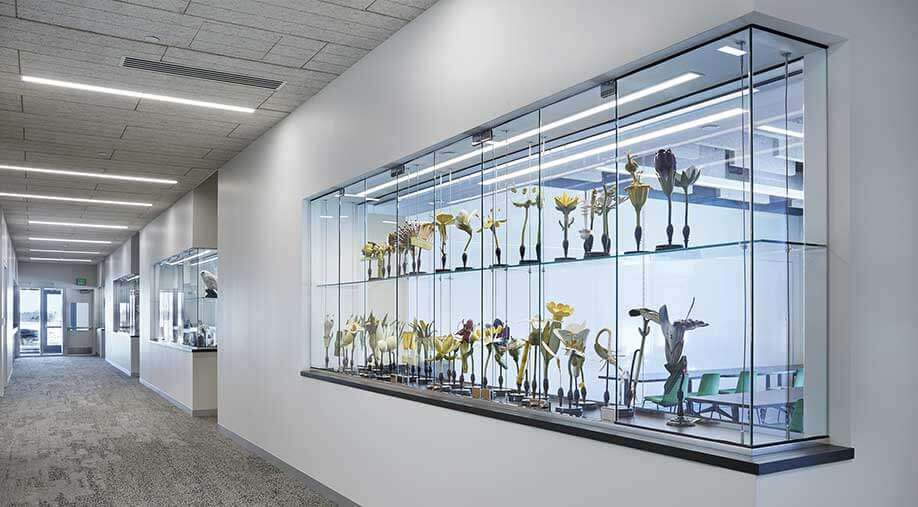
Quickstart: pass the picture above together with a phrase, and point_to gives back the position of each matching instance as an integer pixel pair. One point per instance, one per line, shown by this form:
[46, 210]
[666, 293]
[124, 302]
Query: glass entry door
[41, 330]
[53, 335]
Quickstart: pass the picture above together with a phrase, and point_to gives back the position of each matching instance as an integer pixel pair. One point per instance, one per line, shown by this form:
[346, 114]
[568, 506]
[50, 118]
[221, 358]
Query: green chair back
[742, 382]
[798, 377]
[796, 417]
[709, 385]
[671, 397]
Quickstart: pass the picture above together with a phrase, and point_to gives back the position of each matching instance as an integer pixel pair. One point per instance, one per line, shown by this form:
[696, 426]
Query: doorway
[41, 322]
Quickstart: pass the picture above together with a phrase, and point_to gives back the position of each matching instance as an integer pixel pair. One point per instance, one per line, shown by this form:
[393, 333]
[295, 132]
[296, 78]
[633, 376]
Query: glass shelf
[765, 247]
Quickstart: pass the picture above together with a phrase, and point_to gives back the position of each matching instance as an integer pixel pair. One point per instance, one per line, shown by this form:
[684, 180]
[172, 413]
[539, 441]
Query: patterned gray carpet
[74, 431]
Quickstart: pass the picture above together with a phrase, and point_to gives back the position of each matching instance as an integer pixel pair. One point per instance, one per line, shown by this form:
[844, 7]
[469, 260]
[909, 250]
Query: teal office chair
[796, 417]
[670, 398]
[743, 384]
[799, 377]
[709, 386]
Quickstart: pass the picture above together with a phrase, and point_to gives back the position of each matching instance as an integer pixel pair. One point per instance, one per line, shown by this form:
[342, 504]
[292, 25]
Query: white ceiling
[305, 43]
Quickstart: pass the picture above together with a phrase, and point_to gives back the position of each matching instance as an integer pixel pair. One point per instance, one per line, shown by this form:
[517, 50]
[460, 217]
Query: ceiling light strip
[133, 94]
[62, 172]
[75, 199]
[70, 240]
[72, 224]
[51, 259]
[780, 131]
[83, 252]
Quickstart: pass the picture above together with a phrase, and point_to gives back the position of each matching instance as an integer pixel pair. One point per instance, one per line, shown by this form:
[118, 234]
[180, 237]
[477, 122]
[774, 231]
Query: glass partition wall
[648, 253]
[127, 304]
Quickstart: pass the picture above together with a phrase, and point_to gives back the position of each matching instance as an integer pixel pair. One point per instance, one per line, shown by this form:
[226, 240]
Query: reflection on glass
[638, 254]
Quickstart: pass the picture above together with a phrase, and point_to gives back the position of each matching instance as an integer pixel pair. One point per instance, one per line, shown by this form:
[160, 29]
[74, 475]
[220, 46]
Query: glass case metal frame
[648, 253]
[127, 304]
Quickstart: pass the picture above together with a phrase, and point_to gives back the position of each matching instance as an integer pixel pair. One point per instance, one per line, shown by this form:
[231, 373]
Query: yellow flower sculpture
[559, 311]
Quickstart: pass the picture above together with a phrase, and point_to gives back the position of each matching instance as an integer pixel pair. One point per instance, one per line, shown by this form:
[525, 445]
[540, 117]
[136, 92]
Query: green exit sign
[81, 281]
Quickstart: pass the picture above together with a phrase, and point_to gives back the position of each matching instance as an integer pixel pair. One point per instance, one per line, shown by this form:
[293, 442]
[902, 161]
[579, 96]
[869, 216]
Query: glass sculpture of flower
[559, 311]
[492, 224]
[687, 178]
[464, 224]
[637, 191]
[445, 347]
[408, 340]
[566, 203]
[443, 220]
[665, 164]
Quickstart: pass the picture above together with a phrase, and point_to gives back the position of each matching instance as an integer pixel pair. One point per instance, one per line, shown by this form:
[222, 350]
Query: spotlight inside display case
[648, 254]
[127, 304]
[186, 299]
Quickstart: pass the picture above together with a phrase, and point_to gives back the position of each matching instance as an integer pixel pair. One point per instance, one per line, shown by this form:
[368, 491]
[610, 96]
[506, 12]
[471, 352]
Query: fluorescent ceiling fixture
[105, 176]
[131, 279]
[136, 95]
[732, 51]
[84, 252]
[71, 224]
[47, 259]
[623, 144]
[783, 132]
[676, 81]
[195, 256]
[331, 217]
[68, 240]
[75, 199]
[205, 261]
[586, 140]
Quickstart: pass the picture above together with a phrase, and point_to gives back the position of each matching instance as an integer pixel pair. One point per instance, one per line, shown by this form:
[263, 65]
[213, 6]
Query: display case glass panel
[127, 304]
[648, 253]
[186, 298]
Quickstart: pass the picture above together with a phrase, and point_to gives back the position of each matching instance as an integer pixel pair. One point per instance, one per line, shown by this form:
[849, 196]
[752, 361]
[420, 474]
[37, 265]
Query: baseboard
[204, 412]
[121, 368]
[291, 471]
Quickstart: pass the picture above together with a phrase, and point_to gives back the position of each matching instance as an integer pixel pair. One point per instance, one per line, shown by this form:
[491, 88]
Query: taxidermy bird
[210, 284]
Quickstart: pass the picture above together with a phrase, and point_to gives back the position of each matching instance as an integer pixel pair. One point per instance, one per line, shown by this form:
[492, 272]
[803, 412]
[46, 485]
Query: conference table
[784, 370]
[740, 402]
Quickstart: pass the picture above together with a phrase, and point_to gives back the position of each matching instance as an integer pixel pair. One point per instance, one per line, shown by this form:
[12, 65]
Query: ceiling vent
[210, 75]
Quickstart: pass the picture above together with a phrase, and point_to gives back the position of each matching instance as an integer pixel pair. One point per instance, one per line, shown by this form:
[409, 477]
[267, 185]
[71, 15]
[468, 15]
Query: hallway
[75, 431]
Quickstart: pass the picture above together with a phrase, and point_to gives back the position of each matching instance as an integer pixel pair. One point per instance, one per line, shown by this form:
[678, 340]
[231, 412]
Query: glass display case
[649, 253]
[127, 304]
[186, 298]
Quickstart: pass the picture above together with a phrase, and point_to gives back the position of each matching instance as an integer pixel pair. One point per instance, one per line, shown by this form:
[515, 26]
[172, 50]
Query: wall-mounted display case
[186, 298]
[127, 304]
[649, 253]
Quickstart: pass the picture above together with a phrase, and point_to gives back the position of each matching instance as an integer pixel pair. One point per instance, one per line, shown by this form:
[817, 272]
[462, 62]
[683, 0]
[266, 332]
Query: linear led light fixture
[71, 224]
[676, 81]
[623, 144]
[61, 172]
[69, 240]
[780, 131]
[195, 256]
[133, 94]
[84, 252]
[131, 279]
[205, 261]
[732, 51]
[51, 259]
[75, 199]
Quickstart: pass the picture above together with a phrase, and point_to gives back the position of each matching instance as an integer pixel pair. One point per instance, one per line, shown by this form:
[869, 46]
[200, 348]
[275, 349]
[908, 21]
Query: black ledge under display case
[643, 263]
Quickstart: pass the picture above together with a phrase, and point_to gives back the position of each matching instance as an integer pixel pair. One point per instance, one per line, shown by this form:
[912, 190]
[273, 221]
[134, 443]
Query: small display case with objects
[127, 304]
[186, 299]
[647, 256]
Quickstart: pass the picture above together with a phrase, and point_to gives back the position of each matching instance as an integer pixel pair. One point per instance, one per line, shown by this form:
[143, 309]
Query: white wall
[121, 349]
[464, 63]
[8, 279]
[188, 223]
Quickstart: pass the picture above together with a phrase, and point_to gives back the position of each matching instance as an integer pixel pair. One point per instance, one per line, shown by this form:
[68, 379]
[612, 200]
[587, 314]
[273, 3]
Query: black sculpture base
[497, 392]
[590, 255]
[461, 392]
[575, 410]
[463, 268]
[210, 293]
[499, 265]
[668, 247]
[443, 270]
[635, 252]
[515, 397]
[565, 259]
[528, 261]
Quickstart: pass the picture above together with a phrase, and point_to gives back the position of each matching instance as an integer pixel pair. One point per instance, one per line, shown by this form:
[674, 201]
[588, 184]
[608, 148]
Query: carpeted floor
[75, 431]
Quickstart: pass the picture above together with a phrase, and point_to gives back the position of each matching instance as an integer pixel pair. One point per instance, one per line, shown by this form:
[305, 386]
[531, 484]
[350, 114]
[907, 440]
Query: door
[53, 321]
[30, 328]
